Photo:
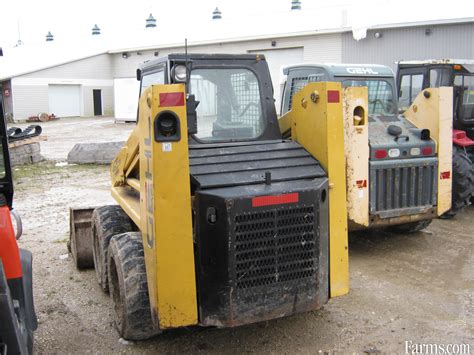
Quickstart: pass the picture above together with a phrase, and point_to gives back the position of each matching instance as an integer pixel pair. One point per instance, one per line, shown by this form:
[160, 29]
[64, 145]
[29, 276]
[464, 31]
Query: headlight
[179, 73]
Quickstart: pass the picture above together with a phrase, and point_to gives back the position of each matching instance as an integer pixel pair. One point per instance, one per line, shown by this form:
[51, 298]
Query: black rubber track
[463, 180]
[107, 221]
[129, 288]
[411, 227]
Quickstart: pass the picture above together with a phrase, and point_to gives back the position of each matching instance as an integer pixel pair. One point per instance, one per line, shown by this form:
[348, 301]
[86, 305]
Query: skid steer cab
[458, 74]
[398, 166]
[220, 222]
[17, 314]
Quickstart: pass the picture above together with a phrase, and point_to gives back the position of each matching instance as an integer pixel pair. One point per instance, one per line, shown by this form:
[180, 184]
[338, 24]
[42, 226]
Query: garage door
[277, 59]
[126, 99]
[65, 100]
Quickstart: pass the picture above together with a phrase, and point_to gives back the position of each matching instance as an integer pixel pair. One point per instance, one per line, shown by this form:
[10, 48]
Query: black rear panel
[259, 260]
[246, 164]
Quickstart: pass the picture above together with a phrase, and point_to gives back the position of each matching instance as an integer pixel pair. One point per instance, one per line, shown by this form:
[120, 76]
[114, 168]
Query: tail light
[380, 154]
[415, 151]
[427, 150]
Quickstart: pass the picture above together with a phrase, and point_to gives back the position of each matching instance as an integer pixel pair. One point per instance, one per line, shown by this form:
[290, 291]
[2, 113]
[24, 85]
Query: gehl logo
[369, 71]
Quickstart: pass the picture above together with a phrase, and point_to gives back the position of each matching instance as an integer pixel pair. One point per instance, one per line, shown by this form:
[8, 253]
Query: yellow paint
[318, 126]
[357, 151]
[167, 223]
[436, 114]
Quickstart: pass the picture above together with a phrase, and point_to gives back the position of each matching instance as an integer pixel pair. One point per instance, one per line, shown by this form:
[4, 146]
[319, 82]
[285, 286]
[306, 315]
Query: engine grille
[403, 187]
[275, 246]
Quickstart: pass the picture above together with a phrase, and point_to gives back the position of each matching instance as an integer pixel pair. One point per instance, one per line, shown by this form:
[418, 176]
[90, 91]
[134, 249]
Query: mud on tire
[107, 221]
[463, 180]
[129, 288]
[411, 227]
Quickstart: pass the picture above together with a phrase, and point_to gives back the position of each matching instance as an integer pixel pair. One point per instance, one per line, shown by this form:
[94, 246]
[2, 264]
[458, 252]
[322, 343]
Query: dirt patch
[415, 288]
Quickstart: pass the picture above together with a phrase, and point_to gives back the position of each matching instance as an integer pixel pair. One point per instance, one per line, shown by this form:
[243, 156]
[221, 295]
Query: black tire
[463, 180]
[107, 221]
[411, 227]
[129, 287]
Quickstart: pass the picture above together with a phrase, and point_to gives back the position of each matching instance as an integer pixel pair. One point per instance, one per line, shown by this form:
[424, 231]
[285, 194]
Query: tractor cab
[414, 76]
[229, 97]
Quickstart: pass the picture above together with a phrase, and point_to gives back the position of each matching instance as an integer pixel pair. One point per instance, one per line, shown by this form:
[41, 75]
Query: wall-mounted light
[378, 34]
[125, 55]
[274, 43]
[428, 31]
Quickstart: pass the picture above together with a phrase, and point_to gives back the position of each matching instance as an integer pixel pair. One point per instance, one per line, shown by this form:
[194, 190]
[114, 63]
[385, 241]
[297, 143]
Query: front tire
[107, 221]
[129, 287]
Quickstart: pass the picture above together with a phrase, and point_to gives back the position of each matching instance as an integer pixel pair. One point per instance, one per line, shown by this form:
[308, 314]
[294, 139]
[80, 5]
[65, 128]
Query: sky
[30, 20]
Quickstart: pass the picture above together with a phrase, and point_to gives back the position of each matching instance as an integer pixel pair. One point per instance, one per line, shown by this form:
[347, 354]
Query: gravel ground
[416, 288]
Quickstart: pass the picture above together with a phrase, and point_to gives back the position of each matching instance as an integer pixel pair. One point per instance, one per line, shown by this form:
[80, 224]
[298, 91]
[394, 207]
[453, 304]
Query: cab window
[464, 89]
[410, 87]
[439, 77]
[229, 106]
[380, 95]
[154, 78]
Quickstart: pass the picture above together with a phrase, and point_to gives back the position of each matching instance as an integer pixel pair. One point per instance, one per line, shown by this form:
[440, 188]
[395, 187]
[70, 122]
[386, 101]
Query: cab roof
[467, 64]
[336, 69]
[201, 57]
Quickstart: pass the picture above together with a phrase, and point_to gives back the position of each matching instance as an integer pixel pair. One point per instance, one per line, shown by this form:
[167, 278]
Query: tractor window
[464, 89]
[380, 95]
[410, 87]
[439, 77]
[404, 99]
[229, 104]
[416, 86]
[2, 162]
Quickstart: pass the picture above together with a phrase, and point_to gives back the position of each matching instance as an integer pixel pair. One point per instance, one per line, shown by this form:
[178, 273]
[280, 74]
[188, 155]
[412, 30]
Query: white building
[85, 79]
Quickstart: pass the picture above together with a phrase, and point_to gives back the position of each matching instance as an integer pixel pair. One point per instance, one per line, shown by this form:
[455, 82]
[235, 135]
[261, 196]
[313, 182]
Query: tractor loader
[398, 165]
[17, 314]
[458, 74]
[220, 222]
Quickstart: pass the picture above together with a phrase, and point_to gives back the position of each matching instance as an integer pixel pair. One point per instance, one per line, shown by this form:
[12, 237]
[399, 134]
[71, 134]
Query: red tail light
[427, 150]
[380, 154]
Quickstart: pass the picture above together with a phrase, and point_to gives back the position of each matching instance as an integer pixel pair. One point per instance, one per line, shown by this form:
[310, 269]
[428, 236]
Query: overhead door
[277, 59]
[65, 100]
[126, 99]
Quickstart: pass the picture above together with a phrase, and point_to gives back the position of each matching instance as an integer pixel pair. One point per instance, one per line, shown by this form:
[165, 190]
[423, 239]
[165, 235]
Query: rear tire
[411, 227]
[462, 182]
[129, 287]
[107, 221]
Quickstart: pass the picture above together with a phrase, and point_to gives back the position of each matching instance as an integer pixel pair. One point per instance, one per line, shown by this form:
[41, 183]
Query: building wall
[445, 41]
[325, 48]
[30, 91]
[97, 67]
